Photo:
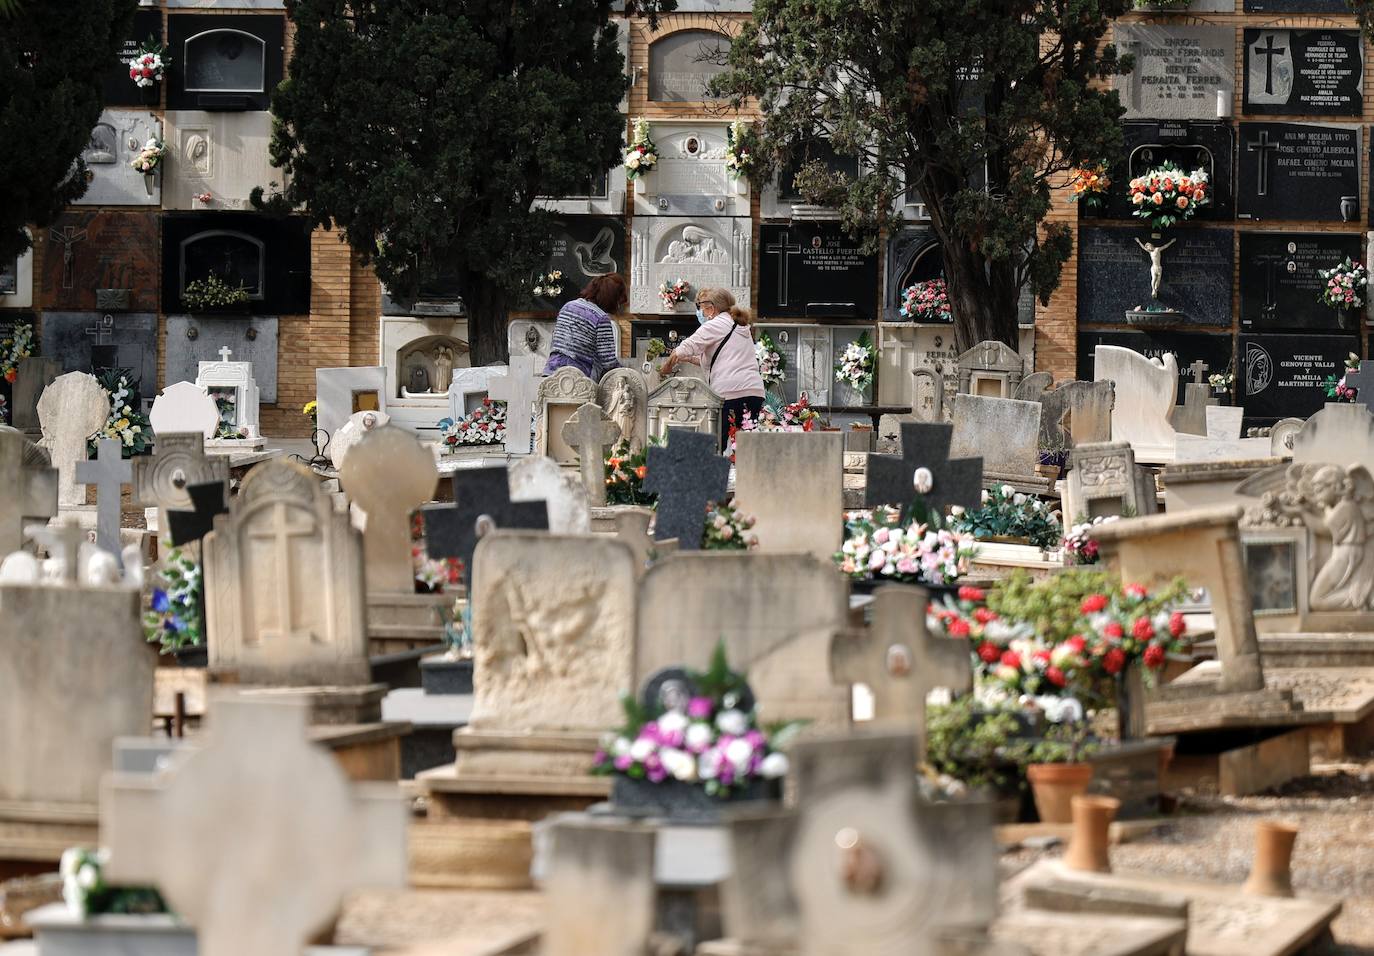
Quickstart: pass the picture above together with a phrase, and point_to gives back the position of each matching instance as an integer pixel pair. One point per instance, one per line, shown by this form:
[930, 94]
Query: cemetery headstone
[1304, 72]
[70, 410]
[560, 395]
[284, 586]
[892, 479]
[481, 504]
[687, 473]
[1145, 390]
[519, 389]
[624, 394]
[208, 501]
[31, 488]
[192, 338]
[706, 252]
[1072, 413]
[163, 479]
[600, 891]
[34, 374]
[1190, 418]
[990, 369]
[468, 388]
[109, 473]
[1340, 434]
[1104, 480]
[593, 435]
[96, 341]
[1280, 289]
[536, 478]
[1283, 376]
[388, 475]
[1180, 69]
[1216, 349]
[810, 269]
[1299, 171]
[351, 432]
[232, 382]
[684, 402]
[793, 485]
[116, 142]
[582, 248]
[1005, 431]
[309, 835]
[184, 407]
[1125, 275]
[340, 392]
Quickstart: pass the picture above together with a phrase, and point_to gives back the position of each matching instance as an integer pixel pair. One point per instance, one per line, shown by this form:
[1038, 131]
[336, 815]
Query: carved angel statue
[1338, 503]
[623, 410]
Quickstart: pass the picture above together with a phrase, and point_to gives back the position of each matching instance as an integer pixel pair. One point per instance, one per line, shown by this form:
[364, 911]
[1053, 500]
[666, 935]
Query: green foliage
[173, 618]
[1067, 742]
[85, 890]
[970, 744]
[718, 679]
[425, 130]
[52, 59]
[1008, 513]
[1052, 606]
[126, 421]
[625, 477]
[934, 94]
[212, 292]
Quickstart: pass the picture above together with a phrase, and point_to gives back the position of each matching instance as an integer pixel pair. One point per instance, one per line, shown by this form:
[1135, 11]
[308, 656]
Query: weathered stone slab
[1145, 390]
[792, 483]
[1004, 431]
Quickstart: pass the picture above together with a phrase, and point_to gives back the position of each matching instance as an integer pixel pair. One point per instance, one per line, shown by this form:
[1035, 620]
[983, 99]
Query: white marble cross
[71, 409]
[592, 434]
[255, 838]
[389, 474]
[30, 488]
[224, 353]
[518, 388]
[899, 661]
[109, 473]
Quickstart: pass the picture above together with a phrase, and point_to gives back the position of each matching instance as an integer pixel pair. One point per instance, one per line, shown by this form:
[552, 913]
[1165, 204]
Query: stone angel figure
[1338, 503]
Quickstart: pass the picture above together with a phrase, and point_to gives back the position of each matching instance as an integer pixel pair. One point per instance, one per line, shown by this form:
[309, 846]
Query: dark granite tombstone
[1178, 69]
[207, 501]
[116, 87]
[687, 474]
[954, 481]
[1114, 277]
[683, 63]
[1298, 171]
[1279, 285]
[221, 62]
[1304, 72]
[89, 255]
[815, 270]
[584, 247]
[1188, 145]
[1296, 6]
[671, 331]
[192, 339]
[481, 504]
[1281, 376]
[270, 256]
[1214, 350]
[92, 341]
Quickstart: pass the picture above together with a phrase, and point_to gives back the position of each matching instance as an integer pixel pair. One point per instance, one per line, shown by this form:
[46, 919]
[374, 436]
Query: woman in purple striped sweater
[583, 335]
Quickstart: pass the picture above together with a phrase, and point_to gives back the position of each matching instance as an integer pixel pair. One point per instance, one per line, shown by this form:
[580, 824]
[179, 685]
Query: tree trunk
[979, 296]
[486, 305]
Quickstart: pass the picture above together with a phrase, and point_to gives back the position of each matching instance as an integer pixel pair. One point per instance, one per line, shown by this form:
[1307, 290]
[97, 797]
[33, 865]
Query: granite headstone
[1279, 285]
[1282, 375]
[1298, 171]
[687, 473]
[815, 270]
[1114, 277]
[91, 341]
[192, 339]
[88, 253]
[583, 248]
[1304, 72]
[1214, 350]
[1189, 145]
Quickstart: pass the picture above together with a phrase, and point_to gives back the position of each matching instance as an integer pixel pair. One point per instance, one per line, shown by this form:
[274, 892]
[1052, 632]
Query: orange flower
[11, 374]
[1181, 202]
[641, 471]
[613, 462]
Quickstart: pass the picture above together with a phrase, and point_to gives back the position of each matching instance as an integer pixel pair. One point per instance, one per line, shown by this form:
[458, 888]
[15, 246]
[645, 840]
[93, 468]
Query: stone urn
[1090, 844]
[1271, 873]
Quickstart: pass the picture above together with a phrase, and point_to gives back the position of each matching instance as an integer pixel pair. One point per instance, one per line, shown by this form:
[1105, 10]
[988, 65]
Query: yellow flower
[122, 424]
[309, 408]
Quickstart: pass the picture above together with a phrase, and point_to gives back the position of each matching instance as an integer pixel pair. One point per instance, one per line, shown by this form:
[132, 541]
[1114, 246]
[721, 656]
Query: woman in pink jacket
[725, 346]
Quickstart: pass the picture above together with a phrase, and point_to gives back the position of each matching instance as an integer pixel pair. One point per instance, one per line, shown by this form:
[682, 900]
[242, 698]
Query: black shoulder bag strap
[721, 347]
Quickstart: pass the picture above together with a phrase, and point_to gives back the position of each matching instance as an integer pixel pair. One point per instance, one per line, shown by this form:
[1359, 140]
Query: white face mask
[701, 317]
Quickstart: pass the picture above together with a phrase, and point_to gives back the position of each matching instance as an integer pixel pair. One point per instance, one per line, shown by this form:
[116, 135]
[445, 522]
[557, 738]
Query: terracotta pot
[1054, 786]
[1270, 874]
[1092, 819]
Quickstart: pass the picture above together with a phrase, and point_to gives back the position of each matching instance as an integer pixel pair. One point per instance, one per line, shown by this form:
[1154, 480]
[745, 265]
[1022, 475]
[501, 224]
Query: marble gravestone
[109, 473]
[1340, 434]
[519, 389]
[1216, 350]
[184, 407]
[684, 403]
[469, 387]
[116, 141]
[192, 339]
[224, 154]
[1116, 277]
[559, 397]
[1104, 480]
[1299, 171]
[1145, 390]
[351, 432]
[1304, 72]
[1282, 376]
[600, 890]
[776, 613]
[1072, 412]
[31, 482]
[284, 585]
[593, 436]
[309, 836]
[706, 252]
[687, 474]
[792, 483]
[624, 393]
[71, 409]
[94, 341]
[95, 254]
[1189, 144]
[233, 381]
[690, 178]
[535, 478]
[35, 373]
[340, 392]
[1004, 431]
[388, 474]
[683, 64]
[1180, 69]
[1280, 289]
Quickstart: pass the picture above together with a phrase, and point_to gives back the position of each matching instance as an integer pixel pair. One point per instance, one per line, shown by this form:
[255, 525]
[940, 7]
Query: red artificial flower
[11, 374]
[988, 652]
[1093, 603]
[1055, 676]
[1135, 591]
[1154, 657]
[1114, 660]
[641, 471]
[1076, 643]
[959, 628]
[1041, 657]
[1143, 629]
[1011, 659]
[1114, 630]
[1177, 625]
[969, 593]
[983, 615]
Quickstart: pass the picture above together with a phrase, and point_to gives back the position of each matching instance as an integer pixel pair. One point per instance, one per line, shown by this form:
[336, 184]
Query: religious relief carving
[1104, 473]
[443, 368]
[695, 245]
[625, 396]
[1335, 503]
[103, 148]
[195, 152]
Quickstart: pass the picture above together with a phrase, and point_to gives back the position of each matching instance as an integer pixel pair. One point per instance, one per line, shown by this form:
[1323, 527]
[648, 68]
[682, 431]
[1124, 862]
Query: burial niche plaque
[583, 248]
[224, 62]
[1189, 145]
[1213, 350]
[1299, 171]
[1279, 284]
[1281, 376]
[1178, 69]
[815, 270]
[115, 86]
[1183, 278]
[1304, 72]
[682, 65]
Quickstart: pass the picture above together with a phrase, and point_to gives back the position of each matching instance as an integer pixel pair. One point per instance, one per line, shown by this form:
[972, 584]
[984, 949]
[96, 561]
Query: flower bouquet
[692, 743]
[125, 422]
[14, 348]
[1088, 184]
[1006, 513]
[855, 367]
[642, 155]
[883, 545]
[727, 529]
[772, 366]
[1079, 545]
[212, 292]
[484, 425]
[1221, 381]
[432, 575]
[548, 286]
[1344, 285]
[86, 893]
[150, 65]
[625, 473]
[1336, 388]
[799, 416]
[173, 618]
[927, 302]
[150, 157]
[739, 157]
[671, 293]
[1166, 194]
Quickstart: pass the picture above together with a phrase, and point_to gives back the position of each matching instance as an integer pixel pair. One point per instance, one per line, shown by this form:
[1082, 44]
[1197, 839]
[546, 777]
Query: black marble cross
[686, 474]
[891, 479]
[207, 499]
[481, 503]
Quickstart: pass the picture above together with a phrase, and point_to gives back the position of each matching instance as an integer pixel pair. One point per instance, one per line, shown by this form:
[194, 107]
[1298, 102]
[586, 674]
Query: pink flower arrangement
[484, 425]
[1345, 285]
[1166, 194]
[671, 293]
[878, 545]
[927, 302]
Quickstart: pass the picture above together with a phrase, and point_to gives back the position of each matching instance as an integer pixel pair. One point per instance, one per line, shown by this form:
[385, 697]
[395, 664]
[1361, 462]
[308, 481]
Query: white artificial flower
[640, 750]
[739, 752]
[732, 722]
[1008, 491]
[774, 766]
[699, 736]
[71, 858]
[708, 765]
[678, 763]
[88, 877]
[673, 722]
[620, 747]
[74, 898]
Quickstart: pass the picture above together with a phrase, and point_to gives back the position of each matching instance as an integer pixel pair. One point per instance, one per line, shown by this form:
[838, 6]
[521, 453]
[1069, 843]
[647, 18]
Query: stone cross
[30, 488]
[389, 474]
[686, 474]
[72, 409]
[1199, 370]
[224, 353]
[481, 504]
[163, 479]
[891, 479]
[1364, 394]
[899, 661]
[518, 388]
[207, 503]
[306, 838]
[109, 473]
[592, 433]
[63, 539]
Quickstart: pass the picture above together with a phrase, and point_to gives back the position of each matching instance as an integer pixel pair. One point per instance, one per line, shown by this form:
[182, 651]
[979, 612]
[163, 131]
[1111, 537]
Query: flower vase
[1130, 703]
[740, 185]
[642, 184]
[149, 181]
[677, 800]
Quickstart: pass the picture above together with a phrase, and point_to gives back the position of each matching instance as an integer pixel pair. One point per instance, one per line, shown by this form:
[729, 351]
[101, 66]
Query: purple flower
[756, 739]
[623, 762]
[600, 758]
[657, 774]
[160, 601]
[699, 708]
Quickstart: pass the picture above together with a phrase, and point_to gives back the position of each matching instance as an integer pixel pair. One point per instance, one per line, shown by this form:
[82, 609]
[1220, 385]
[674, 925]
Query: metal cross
[686, 474]
[109, 473]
